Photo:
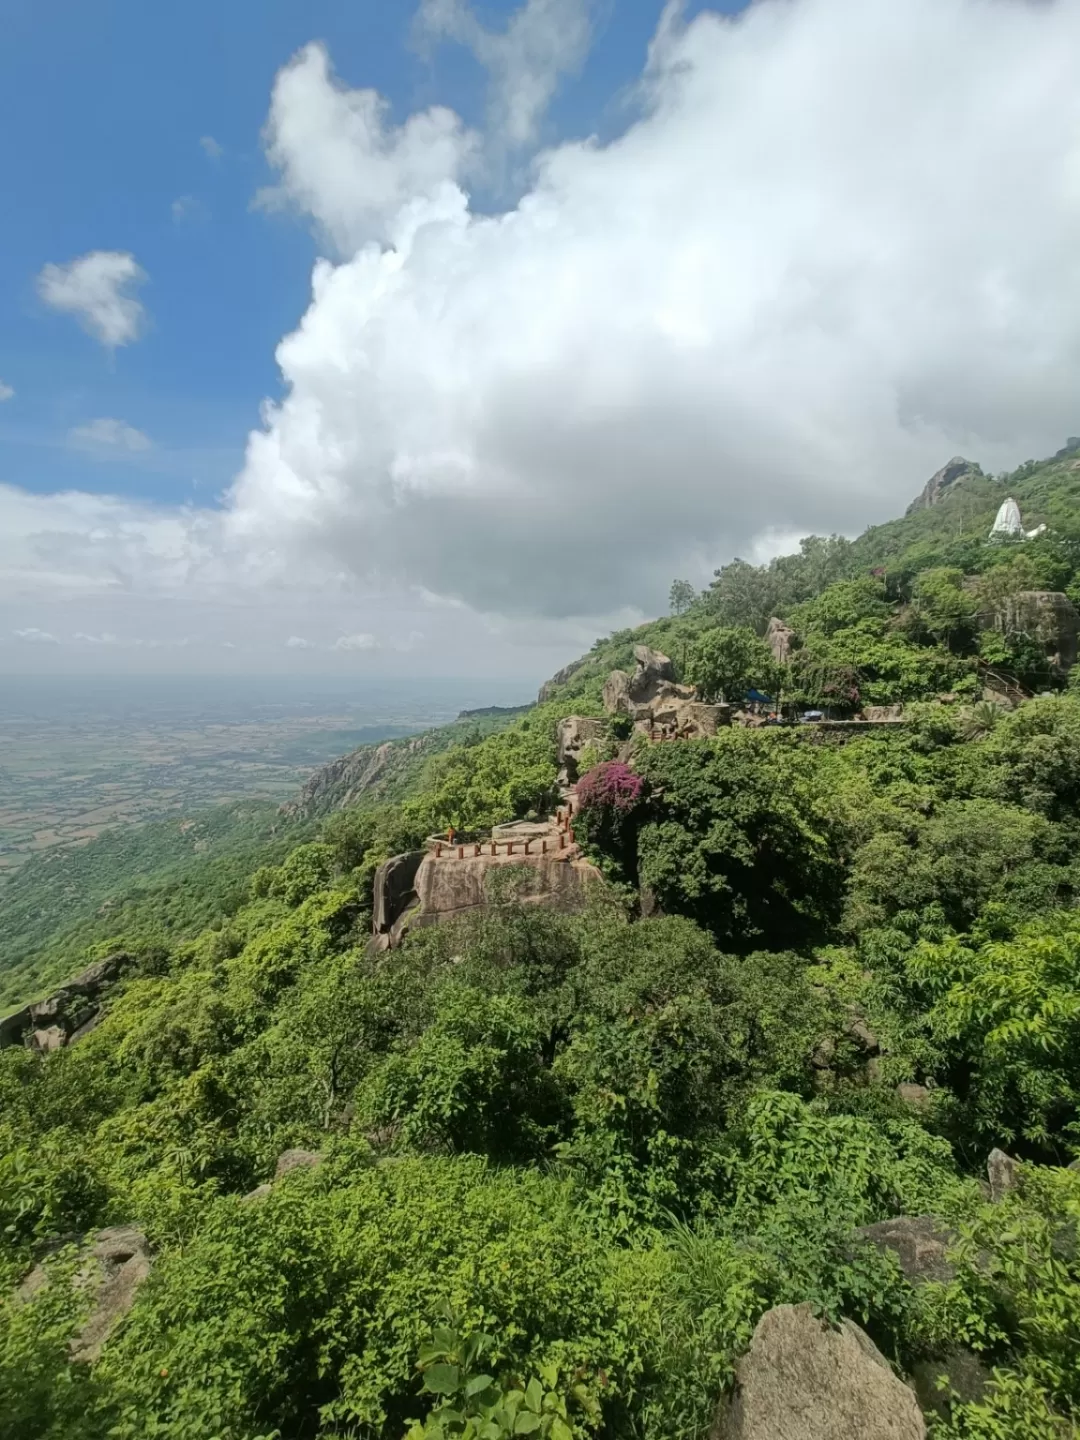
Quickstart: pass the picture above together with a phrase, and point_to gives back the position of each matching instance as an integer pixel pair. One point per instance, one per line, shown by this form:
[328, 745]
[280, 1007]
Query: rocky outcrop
[574, 733]
[69, 1013]
[394, 893]
[1047, 616]
[938, 486]
[344, 781]
[444, 888]
[549, 687]
[780, 639]
[653, 699]
[114, 1263]
[802, 1380]
[920, 1243]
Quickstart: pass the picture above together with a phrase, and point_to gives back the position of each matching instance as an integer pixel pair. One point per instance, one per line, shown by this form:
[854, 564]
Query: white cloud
[106, 638]
[186, 207]
[6, 392]
[109, 434]
[543, 41]
[342, 164]
[34, 636]
[96, 289]
[211, 148]
[362, 641]
[838, 247]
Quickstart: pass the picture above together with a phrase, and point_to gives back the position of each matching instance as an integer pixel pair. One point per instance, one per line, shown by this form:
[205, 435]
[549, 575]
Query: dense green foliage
[569, 1160]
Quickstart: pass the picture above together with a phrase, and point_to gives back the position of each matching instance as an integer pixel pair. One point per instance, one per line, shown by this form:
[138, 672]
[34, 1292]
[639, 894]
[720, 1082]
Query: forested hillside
[543, 1172]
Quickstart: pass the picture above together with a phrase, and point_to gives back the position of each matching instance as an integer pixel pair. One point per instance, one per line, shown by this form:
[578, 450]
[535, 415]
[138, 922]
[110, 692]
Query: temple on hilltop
[1008, 524]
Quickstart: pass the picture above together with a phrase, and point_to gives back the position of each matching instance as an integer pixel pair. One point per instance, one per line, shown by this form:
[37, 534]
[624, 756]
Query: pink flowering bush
[611, 786]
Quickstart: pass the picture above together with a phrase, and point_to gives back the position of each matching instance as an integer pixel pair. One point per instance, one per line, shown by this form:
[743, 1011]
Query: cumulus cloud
[838, 246]
[34, 636]
[362, 641]
[543, 41]
[297, 642]
[6, 392]
[97, 289]
[344, 165]
[211, 148]
[109, 434]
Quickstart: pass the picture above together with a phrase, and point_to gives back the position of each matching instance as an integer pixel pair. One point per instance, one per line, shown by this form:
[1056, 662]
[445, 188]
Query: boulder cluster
[653, 699]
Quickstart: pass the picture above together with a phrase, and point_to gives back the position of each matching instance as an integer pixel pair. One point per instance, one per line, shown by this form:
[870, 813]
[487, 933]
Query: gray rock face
[919, 1242]
[779, 638]
[966, 1377]
[938, 485]
[394, 891]
[574, 733]
[1003, 1172]
[1048, 617]
[70, 1012]
[802, 1380]
[547, 690]
[617, 694]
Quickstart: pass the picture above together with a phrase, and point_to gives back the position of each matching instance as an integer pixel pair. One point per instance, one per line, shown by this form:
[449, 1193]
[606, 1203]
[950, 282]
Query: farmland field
[82, 755]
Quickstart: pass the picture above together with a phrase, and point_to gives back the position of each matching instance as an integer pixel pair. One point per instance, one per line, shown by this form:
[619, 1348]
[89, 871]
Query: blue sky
[104, 106]
[555, 302]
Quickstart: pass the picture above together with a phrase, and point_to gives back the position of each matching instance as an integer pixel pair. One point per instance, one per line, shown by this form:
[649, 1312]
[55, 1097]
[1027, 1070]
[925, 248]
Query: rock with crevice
[113, 1265]
[803, 1380]
[920, 1243]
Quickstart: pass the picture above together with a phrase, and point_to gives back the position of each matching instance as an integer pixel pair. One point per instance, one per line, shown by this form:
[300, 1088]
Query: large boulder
[617, 694]
[1003, 1172]
[653, 675]
[803, 1380]
[920, 1243]
[442, 888]
[780, 639]
[937, 487]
